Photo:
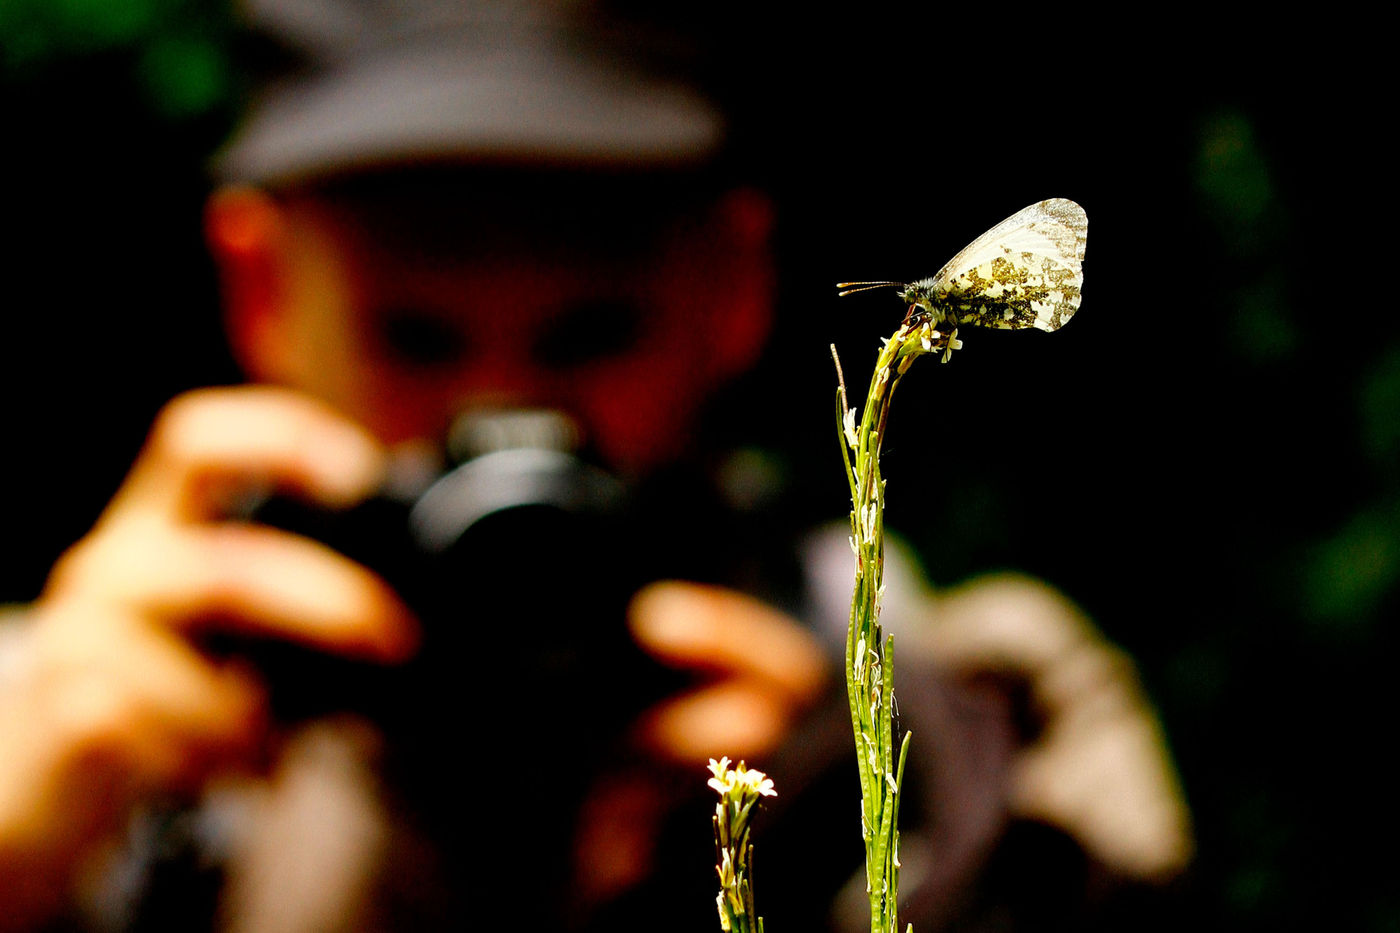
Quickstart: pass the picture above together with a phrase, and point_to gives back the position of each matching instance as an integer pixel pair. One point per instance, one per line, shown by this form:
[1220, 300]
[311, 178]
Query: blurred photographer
[503, 223]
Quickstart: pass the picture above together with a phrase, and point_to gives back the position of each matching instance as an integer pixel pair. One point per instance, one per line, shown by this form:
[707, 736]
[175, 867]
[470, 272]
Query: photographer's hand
[1099, 768]
[107, 698]
[760, 670]
[763, 670]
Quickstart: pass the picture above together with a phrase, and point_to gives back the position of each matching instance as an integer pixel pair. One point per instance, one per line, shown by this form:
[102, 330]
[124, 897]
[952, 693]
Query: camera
[518, 559]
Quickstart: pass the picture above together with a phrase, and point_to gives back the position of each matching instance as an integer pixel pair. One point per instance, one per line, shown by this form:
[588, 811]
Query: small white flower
[850, 425]
[759, 783]
[953, 344]
[723, 780]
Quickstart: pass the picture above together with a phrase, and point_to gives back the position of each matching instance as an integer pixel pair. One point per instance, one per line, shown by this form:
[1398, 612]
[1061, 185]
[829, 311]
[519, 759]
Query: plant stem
[869, 653]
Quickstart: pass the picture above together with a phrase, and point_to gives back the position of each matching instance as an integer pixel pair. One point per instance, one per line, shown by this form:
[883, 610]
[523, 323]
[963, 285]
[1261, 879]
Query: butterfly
[1024, 272]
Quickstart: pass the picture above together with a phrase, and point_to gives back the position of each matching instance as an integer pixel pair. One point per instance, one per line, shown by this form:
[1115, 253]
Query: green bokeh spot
[1232, 177]
[186, 76]
[1349, 575]
[34, 31]
[104, 22]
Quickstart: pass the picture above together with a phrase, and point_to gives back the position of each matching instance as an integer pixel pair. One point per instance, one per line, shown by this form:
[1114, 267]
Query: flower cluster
[739, 789]
[743, 779]
[921, 337]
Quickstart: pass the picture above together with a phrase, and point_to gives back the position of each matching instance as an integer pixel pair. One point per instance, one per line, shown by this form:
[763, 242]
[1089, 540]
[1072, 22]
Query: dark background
[1205, 459]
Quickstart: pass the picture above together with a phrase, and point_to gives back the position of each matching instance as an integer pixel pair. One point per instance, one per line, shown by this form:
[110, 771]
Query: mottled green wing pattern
[1024, 272]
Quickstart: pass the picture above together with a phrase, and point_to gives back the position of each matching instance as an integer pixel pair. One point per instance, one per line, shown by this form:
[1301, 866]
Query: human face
[623, 313]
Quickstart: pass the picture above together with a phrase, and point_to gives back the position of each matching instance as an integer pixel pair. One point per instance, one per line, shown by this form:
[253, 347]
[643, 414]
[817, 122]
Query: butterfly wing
[1024, 272]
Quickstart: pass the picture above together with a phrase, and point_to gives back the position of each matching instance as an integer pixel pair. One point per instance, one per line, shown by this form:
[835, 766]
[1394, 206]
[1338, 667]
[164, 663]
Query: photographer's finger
[708, 628]
[269, 583]
[245, 579]
[741, 718]
[209, 445]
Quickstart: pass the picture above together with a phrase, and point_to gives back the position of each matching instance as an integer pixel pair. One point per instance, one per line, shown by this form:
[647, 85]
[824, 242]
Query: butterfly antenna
[850, 288]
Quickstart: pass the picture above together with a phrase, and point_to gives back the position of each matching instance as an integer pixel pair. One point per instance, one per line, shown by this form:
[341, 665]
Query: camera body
[518, 563]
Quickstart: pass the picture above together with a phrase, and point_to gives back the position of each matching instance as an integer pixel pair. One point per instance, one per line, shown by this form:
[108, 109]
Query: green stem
[869, 654]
